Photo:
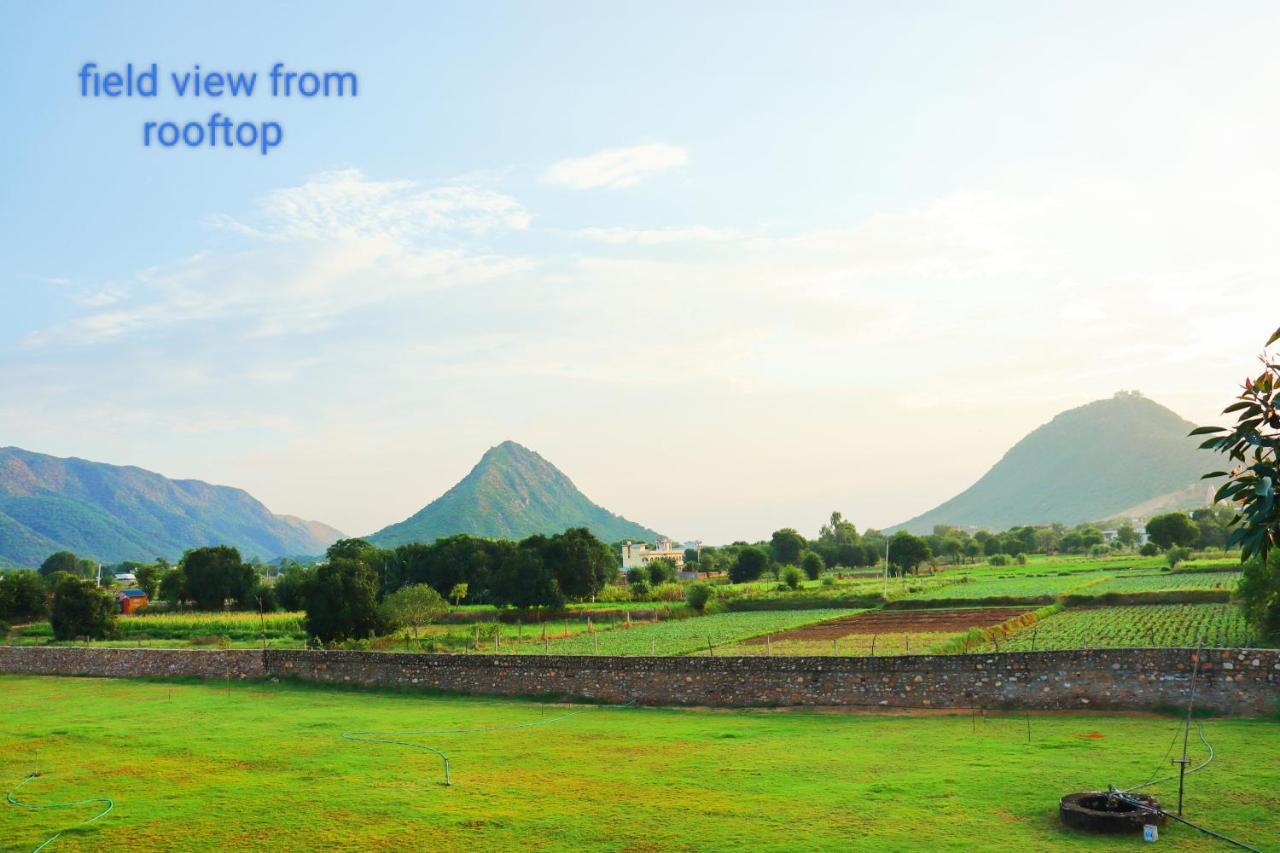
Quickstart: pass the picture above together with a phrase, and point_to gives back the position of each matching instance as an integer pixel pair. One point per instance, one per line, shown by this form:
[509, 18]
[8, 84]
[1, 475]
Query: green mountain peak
[511, 493]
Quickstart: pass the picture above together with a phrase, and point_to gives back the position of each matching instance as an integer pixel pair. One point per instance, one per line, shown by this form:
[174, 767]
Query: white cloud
[658, 236]
[616, 168]
[344, 204]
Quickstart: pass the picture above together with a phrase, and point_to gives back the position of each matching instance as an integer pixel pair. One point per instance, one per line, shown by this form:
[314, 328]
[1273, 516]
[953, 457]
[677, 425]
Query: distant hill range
[1126, 456]
[511, 493]
[112, 513]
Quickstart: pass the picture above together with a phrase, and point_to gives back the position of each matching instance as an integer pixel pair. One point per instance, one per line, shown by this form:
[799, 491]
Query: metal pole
[1186, 732]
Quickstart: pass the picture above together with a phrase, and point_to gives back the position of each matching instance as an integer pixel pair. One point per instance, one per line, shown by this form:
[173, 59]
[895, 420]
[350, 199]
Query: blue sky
[731, 266]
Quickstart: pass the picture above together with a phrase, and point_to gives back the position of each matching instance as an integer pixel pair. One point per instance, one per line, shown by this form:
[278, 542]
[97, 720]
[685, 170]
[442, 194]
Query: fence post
[873, 644]
[768, 644]
[834, 652]
[710, 651]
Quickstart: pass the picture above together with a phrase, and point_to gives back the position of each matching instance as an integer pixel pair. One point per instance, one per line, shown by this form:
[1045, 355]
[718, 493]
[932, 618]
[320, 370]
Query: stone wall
[1232, 681]
[133, 663]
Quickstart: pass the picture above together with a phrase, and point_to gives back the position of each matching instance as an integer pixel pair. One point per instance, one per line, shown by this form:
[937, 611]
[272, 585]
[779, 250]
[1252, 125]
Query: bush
[638, 574]
[639, 590]
[813, 565]
[661, 571]
[1149, 550]
[613, 592]
[828, 581]
[668, 592]
[791, 576]
[1176, 555]
[81, 609]
[1022, 559]
[697, 595]
[998, 560]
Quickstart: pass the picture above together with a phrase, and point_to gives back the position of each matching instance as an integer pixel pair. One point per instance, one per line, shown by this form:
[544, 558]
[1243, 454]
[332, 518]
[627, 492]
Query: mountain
[510, 494]
[112, 513]
[1107, 459]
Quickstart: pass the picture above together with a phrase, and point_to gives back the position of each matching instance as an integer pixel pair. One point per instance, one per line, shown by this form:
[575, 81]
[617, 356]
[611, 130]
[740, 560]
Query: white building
[639, 554]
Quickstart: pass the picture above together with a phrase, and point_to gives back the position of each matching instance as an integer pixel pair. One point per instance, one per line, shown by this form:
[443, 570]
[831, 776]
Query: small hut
[131, 600]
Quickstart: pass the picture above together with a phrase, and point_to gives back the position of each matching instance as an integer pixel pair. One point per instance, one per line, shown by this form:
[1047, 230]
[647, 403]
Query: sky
[730, 266]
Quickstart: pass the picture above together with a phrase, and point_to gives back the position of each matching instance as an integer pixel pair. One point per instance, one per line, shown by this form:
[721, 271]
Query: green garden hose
[109, 803]
[392, 737]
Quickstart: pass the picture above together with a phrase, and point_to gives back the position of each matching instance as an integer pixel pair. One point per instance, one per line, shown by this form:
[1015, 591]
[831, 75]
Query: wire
[13, 801]
[1200, 766]
[1133, 801]
[391, 737]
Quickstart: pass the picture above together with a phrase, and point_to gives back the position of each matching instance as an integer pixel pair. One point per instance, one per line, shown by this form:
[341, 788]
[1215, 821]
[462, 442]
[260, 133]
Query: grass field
[1133, 626]
[1169, 581]
[262, 766]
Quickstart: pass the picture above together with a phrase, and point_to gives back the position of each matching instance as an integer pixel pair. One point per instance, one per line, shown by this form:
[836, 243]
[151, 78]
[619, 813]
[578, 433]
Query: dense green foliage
[342, 602]
[113, 513]
[1096, 461]
[216, 577]
[512, 493]
[749, 565]
[1173, 528]
[81, 609]
[23, 597]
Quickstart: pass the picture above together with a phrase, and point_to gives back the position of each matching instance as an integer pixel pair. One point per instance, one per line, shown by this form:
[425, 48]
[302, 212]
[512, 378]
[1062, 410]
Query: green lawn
[263, 766]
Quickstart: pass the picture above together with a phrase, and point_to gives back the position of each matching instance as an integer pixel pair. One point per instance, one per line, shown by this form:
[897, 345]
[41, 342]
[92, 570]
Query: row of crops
[1080, 583]
[1136, 626]
[680, 636]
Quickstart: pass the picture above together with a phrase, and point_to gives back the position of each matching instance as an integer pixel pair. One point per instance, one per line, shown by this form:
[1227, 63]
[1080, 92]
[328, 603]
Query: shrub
[697, 595]
[998, 560]
[1149, 550]
[1176, 555]
[791, 576]
[668, 592]
[1022, 559]
[813, 565]
[828, 581]
[661, 571]
[81, 609]
[639, 590]
[613, 592]
[638, 574]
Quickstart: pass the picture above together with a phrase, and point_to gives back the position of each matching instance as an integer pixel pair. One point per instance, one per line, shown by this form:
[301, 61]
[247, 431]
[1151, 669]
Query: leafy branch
[1253, 446]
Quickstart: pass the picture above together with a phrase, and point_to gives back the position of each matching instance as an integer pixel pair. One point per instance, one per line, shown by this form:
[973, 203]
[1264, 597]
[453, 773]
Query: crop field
[1151, 625]
[877, 632]
[680, 636]
[1169, 581]
[270, 769]
[1015, 587]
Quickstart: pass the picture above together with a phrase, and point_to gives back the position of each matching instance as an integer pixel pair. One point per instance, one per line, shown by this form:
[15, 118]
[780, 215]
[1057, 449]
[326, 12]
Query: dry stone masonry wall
[1231, 681]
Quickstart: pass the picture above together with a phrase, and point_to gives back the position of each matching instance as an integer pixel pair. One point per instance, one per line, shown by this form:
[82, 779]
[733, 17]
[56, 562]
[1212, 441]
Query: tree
[23, 597]
[62, 561]
[1173, 528]
[1127, 535]
[1176, 555]
[342, 601]
[413, 607]
[838, 531]
[1253, 487]
[81, 609]
[216, 575]
[786, 546]
[749, 565]
[149, 580]
[813, 565]
[458, 592]
[291, 587]
[638, 574]
[172, 585]
[661, 571]
[792, 577]
[581, 563]
[907, 551]
[691, 557]
[952, 548]
[697, 595]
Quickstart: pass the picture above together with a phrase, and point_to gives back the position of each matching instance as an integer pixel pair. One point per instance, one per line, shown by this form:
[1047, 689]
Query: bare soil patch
[900, 622]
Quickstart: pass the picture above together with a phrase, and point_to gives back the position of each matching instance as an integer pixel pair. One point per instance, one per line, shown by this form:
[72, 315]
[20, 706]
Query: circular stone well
[1100, 811]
